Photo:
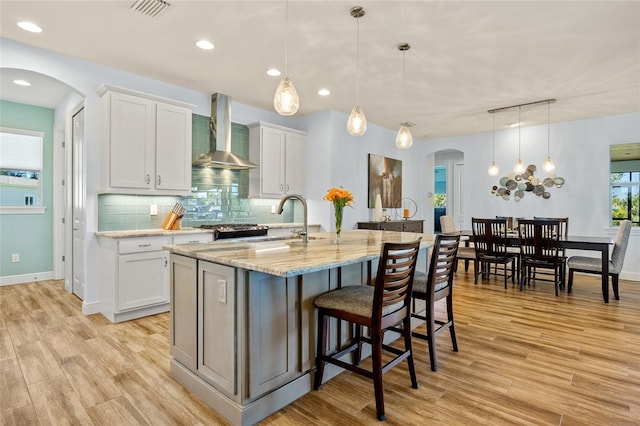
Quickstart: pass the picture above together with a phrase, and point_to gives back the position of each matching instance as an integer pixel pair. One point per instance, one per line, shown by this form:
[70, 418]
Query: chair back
[620, 247]
[564, 223]
[490, 237]
[539, 239]
[509, 220]
[447, 224]
[394, 281]
[442, 267]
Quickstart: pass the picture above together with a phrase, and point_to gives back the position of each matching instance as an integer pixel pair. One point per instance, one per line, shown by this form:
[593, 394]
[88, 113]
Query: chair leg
[358, 352]
[570, 285]
[431, 339]
[376, 358]
[614, 281]
[466, 265]
[406, 329]
[452, 329]
[323, 323]
[475, 271]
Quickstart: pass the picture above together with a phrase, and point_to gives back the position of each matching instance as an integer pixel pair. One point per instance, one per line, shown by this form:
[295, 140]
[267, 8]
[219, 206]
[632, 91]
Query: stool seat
[420, 283]
[354, 299]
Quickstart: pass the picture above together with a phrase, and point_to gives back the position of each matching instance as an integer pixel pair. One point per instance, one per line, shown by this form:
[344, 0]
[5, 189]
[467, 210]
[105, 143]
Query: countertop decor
[340, 198]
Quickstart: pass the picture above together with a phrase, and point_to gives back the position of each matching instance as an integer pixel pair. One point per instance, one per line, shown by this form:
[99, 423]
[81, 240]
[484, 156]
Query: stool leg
[406, 331]
[321, 350]
[452, 329]
[376, 358]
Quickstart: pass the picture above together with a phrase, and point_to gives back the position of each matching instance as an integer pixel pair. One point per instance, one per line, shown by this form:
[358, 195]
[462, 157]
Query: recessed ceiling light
[273, 72]
[324, 92]
[22, 82]
[29, 26]
[204, 44]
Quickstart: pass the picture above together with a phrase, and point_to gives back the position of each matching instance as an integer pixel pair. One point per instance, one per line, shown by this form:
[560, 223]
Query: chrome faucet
[305, 232]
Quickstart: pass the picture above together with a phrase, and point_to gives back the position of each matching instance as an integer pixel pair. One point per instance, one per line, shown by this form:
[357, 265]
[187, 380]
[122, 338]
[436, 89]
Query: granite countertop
[134, 233]
[291, 257]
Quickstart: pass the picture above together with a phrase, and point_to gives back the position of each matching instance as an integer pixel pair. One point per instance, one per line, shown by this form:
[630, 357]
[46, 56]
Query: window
[624, 182]
[20, 170]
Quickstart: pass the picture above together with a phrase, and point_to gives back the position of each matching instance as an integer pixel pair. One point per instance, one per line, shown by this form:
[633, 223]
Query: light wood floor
[525, 358]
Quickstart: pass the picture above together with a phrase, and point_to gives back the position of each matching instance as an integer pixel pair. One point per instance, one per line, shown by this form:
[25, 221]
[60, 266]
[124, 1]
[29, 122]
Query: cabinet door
[143, 279]
[273, 332]
[393, 226]
[272, 149]
[217, 326]
[294, 164]
[184, 303]
[173, 148]
[132, 140]
[413, 226]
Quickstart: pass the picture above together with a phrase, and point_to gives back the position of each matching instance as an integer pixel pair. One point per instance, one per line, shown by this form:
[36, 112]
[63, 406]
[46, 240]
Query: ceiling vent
[150, 8]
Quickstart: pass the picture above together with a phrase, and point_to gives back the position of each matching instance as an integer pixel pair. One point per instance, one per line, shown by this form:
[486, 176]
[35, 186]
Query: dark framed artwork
[385, 179]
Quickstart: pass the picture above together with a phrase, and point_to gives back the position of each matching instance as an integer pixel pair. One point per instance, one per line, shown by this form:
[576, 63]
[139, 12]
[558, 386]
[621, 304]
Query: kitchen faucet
[305, 232]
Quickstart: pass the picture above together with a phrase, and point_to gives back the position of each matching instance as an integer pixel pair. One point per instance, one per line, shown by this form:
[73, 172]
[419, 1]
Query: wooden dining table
[574, 242]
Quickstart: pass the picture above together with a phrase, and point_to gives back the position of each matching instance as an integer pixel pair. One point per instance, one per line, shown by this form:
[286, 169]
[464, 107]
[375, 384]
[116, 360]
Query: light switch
[273, 209]
[153, 209]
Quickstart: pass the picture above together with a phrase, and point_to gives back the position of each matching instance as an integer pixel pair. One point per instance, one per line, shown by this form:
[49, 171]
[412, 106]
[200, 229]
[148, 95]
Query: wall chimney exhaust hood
[220, 155]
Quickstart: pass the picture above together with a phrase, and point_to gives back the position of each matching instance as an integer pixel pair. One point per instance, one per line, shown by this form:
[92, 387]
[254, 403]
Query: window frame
[38, 208]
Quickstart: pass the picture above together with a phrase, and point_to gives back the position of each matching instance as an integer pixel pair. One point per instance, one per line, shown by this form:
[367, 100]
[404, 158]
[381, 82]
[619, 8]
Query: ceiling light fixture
[273, 72]
[357, 123]
[519, 168]
[29, 26]
[404, 140]
[324, 92]
[204, 44]
[548, 165]
[286, 100]
[493, 168]
[22, 82]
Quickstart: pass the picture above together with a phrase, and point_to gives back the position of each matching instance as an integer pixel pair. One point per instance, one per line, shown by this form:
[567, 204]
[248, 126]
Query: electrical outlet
[222, 291]
[273, 209]
[15, 258]
[153, 209]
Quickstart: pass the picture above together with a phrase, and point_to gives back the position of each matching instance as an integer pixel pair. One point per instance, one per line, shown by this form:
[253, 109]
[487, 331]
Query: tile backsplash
[218, 195]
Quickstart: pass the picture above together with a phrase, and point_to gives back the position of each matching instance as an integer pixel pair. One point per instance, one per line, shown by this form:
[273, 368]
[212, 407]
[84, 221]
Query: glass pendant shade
[286, 100]
[519, 167]
[404, 140]
[548, 165]
[493, 169]
[357, 123]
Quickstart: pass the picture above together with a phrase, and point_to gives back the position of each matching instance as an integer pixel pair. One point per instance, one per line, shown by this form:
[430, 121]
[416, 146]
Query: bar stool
[383, 306]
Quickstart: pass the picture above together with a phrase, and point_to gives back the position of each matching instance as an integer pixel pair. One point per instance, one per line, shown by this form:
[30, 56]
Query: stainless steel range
[236, 230]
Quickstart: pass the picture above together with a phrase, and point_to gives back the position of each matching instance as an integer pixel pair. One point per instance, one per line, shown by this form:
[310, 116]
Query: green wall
[30, 235]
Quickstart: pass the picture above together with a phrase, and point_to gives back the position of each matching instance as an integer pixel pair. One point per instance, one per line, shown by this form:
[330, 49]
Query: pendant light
[286, 100]
[548, 165]
[519, 168]
[357, 123]
[493, 168]
[404, 140]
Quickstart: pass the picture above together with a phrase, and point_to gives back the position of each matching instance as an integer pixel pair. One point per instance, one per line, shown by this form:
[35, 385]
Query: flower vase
[338, 213]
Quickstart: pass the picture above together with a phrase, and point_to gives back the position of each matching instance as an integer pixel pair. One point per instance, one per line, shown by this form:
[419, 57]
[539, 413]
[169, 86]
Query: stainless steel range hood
[220, 155]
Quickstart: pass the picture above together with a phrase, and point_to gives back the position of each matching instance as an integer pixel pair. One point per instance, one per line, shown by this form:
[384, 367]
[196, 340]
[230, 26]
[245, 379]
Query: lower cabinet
[143, 279]
[394, 225]
[184, 305]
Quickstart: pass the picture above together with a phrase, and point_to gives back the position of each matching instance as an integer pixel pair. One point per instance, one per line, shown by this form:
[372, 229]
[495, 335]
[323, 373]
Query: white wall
[580, 150]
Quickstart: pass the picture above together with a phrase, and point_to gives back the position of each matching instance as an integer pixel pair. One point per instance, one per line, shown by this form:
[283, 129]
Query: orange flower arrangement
[340, 197]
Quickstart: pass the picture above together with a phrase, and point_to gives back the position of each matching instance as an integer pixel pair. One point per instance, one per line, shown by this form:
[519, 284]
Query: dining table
[573, 242]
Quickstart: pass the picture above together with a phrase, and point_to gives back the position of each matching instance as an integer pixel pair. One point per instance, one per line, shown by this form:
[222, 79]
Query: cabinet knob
[159, 179]
[165, 262]
[281, 187]
[287, 187]
[148, 179]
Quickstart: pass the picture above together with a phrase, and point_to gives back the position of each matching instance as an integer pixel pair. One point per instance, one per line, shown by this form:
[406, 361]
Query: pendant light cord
[548, 132]
[519, 126]
[357, 61]
[404, 86]
[493, 141]
[286, 36]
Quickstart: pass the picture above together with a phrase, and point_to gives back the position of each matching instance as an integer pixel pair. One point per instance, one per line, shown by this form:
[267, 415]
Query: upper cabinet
[279, 151]
[146, 146]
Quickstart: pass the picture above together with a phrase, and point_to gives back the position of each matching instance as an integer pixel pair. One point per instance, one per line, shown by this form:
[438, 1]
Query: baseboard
[631, 276]
[27, 278]
[90, 308]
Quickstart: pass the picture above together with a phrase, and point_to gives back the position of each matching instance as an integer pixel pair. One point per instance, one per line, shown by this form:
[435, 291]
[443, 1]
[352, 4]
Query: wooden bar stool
[383, 306]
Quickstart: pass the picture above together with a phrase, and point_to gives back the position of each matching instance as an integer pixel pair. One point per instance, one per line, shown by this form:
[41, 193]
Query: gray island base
[243, 323]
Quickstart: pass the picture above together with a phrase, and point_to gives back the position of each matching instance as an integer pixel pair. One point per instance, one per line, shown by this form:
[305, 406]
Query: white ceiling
[466, 57]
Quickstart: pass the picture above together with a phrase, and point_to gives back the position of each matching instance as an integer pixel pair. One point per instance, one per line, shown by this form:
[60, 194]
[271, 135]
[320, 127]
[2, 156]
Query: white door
[77, 182]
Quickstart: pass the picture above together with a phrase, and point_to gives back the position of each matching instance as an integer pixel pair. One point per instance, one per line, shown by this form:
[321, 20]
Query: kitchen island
[243, 322]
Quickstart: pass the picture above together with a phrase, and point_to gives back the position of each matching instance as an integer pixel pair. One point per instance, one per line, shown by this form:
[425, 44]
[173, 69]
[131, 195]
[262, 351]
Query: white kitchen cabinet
[143, 279]
[146, 143]
[279, 151]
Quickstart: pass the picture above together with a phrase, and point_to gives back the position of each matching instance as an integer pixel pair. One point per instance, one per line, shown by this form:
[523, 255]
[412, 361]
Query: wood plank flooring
[525, 358]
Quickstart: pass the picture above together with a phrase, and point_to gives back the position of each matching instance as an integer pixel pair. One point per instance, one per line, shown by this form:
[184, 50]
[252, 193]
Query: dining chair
[539, 242]
[434, 286]
[564, 232]
[385, 305]
[592, 265]
[465, 252]
[490, 239]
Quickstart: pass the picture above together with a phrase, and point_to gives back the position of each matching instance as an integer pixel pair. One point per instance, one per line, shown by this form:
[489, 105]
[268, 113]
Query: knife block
[169, 221]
